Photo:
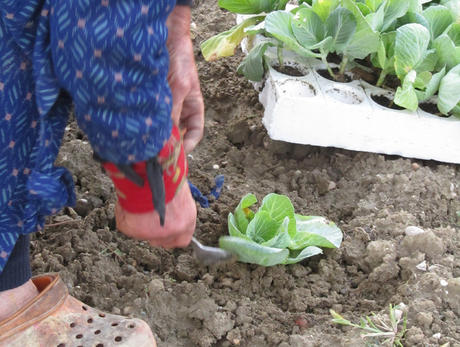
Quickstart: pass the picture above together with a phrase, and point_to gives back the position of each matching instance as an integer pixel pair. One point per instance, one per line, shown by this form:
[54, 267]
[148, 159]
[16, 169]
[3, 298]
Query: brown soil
[372, 197]
[385, 102]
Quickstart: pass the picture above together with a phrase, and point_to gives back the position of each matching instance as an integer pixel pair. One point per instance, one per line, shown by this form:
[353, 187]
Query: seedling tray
[313, 110]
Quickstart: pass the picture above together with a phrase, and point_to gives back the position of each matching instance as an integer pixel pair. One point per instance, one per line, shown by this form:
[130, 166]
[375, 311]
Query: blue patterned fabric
[107, 56]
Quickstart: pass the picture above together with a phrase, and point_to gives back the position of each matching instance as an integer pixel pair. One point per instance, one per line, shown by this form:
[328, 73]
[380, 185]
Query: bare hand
[180, 220]
[188, 106]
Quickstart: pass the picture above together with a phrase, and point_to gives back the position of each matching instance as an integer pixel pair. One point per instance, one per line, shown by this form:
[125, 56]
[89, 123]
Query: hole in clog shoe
[84, 308]
[132, 326]
[101, 315]
[97, 332]
[79, 336]
[73, 325]
[118, 338]
[90, 321]
[114, 324]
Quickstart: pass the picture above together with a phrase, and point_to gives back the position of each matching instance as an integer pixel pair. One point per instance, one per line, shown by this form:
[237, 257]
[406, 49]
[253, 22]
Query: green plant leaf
[422, 79]
[406, 96]
[439, 18]
[233, 228]
[433, 86]
[308, 28]
[252, 66]
[410, 48]
[454, 7]
[307, 252]
[375, 19]
[262, 227]
[279, 25]
[447, 47]
[323, 8]
[315, 231]
[394, 9]
[225, 43]
[243, 215]
[252, 252]
[448, 94]
[364, 40]
[279, 207]
[373, 5]
[341, 26]
[252, 6]
[282, 238]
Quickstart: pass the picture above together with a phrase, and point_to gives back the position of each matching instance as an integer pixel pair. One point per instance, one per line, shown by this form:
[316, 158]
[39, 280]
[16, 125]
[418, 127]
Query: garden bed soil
[373, 198]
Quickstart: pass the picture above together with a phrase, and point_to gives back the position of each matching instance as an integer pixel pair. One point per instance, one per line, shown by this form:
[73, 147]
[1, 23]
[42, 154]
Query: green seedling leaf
[279, 207]
[262, 227]
[225, 43]
[323, 8]
[315, 231]
[406, 96]
[448, 95]
[422, 80]
[364, 40]
[282, 238]
[410, 48]
[439, 18]
[433, 86]
[279, 25]
[365, 10]
[252, 6]
[233, 228]
[394, 9]
[340, 25]
[447, 47]
[252, 252]
[375, 19]
[308, 28]
[373, 5]
[243, 213]
[304, 254]
[252, 66]
[454, 7]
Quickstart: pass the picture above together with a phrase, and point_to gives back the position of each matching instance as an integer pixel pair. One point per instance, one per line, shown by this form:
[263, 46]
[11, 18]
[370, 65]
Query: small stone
[216, 167]
[208, 279]
[332, 185]
[437, 336]
[82, 207]
[421, 266]
[443, 283]
[155, 286]
[116, 310]
[413, 230]
[415, 166]
[63, 218]
[128, 310]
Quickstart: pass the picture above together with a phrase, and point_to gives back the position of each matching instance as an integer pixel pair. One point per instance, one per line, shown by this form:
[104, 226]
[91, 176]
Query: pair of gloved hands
[188, 115]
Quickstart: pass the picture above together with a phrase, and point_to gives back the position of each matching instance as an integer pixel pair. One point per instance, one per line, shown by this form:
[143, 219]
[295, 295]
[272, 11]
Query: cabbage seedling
[275, 234]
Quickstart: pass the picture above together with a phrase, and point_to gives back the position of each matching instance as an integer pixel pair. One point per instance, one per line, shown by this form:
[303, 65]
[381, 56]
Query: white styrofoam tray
[316, 111]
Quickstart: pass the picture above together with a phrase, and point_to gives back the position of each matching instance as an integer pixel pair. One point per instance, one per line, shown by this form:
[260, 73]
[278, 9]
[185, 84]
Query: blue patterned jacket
[108, 57]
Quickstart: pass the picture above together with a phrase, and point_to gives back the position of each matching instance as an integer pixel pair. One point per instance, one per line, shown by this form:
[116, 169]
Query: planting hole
[339, 78]
[289, 70]
[433, 109]
[345, 96]
[294, 88]
[382, 100]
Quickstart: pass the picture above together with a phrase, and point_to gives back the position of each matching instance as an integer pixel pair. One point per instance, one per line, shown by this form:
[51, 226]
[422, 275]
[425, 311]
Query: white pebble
[413, 230]
[190, 156]
[215, 167]
[443, 283]
[422, 266]
[437, 336]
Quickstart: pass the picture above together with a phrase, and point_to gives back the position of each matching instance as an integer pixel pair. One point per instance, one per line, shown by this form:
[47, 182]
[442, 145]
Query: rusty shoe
[56, 319]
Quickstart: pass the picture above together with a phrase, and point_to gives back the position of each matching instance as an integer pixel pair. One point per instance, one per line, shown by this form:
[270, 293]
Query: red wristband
[135, 199]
